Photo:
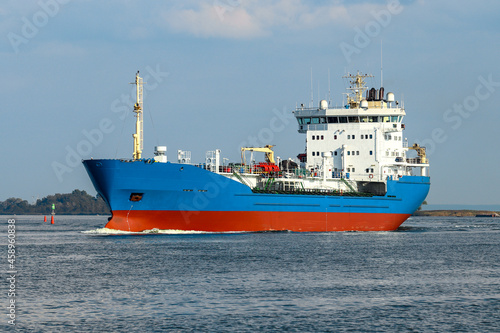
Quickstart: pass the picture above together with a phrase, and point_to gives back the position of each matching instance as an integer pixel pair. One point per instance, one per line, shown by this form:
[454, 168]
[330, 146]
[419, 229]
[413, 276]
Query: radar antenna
[357, 87]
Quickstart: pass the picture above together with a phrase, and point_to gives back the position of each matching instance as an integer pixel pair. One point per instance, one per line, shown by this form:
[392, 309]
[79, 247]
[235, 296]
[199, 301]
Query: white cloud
[214, 21]
[245, 19]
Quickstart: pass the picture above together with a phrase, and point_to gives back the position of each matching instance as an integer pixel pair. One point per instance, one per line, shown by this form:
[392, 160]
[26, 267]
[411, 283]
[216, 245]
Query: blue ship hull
[144, 195]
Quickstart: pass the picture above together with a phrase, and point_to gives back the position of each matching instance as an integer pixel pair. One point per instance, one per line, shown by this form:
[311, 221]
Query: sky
[222, 74]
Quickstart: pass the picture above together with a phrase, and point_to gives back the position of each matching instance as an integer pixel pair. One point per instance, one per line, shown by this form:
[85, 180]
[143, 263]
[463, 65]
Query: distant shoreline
[454, 212]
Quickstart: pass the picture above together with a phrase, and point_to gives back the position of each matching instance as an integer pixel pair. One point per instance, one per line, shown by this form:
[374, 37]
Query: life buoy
[371, 175]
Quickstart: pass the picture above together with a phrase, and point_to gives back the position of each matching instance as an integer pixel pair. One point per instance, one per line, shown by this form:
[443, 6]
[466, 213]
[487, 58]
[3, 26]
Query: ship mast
[138, 107]
[357, 86]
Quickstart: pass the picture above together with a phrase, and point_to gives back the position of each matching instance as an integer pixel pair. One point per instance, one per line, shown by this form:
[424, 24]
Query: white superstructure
[361, 141]
[354, 148]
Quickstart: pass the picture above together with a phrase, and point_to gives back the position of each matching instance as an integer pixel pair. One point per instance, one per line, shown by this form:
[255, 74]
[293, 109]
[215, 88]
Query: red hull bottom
[221, 221]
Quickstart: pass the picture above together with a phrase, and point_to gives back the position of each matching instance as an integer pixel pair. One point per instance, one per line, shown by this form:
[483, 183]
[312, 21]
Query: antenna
[319, 95]
[357, 86]
[312, 93]
[329, 96]
[381, 70]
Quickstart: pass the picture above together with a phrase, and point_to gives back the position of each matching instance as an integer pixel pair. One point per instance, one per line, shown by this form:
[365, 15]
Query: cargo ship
[357, 173]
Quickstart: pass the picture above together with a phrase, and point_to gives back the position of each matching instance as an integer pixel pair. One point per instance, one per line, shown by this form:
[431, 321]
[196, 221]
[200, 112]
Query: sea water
[431, 275]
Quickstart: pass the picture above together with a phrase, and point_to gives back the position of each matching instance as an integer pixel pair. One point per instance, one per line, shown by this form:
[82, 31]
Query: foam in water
[107, 231]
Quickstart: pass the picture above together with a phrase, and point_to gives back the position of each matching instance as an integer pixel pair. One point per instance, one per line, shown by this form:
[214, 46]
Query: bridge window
[343, 120]
[386, 119]
[315, 120]
[354, 119]
[373, 119]
[306, 121]
[394, 119]
[333, 120]
[363, 119]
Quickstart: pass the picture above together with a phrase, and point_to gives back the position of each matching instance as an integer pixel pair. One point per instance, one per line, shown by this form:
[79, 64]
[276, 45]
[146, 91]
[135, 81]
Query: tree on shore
[74, 203]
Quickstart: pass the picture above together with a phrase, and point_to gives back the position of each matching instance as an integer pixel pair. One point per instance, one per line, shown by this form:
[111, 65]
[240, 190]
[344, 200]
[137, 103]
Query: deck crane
[420, 152]
[267, 149]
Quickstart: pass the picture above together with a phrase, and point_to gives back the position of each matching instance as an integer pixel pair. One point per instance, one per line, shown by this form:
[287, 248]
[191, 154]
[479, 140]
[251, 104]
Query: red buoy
[45, 218]
[52, 219]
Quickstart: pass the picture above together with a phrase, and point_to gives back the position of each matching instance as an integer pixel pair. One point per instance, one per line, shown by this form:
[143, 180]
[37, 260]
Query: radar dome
[364, 104]
[323, 104]
[390, 97]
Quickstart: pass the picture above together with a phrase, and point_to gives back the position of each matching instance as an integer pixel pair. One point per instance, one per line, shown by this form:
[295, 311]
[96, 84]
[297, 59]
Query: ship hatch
[136, 197]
